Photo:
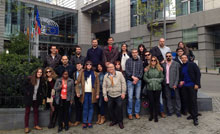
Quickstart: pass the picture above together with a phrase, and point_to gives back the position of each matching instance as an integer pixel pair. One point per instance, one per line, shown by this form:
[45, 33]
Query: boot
[99, 119]
[54, 119]
[102, 121]
[51, 120]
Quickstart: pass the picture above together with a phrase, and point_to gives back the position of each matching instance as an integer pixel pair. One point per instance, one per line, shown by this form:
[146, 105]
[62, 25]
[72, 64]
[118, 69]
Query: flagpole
[37, 46]
[29, 50]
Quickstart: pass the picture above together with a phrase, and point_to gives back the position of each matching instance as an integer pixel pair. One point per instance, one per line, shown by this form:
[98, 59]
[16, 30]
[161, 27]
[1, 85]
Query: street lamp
[164, 21]
[30, 17]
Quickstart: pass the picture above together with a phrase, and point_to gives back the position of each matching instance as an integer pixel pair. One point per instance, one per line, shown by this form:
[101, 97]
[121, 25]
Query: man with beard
[171, 72]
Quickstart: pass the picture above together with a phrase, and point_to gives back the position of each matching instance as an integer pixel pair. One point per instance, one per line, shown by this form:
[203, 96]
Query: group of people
[105, 77]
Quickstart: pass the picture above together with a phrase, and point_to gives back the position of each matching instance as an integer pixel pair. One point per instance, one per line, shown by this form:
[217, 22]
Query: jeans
[63, 112]
[27, 114]
[115, 106]
[101, 104]
[87, 108]
[131, 88]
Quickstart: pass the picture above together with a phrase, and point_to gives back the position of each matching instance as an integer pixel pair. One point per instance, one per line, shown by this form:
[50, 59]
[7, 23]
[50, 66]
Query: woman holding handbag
[50, 77]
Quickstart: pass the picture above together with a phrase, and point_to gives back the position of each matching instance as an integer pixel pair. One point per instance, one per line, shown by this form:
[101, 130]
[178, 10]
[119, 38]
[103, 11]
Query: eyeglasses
[147, 54]
[153, 60]
[48, 72]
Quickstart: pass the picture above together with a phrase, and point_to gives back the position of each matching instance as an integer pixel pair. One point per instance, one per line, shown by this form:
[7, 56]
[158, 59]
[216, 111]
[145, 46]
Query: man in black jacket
[160, 50]
[65, 66]
[77, 58]
[190, 80]
[94, 54]
[54, 59]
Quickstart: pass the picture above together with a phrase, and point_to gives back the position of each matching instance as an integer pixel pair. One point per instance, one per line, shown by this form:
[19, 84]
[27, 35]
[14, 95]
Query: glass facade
[58, 27]
[185, 7]
[63, 3]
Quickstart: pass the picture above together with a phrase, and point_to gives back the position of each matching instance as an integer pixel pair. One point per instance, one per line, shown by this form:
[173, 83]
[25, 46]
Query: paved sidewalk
[209, 124]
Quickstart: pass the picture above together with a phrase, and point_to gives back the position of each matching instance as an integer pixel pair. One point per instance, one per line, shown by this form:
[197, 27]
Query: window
[217, 38]
[137, 42]
[185, 7]
[196, 6]
[190, 37]
[133, 13]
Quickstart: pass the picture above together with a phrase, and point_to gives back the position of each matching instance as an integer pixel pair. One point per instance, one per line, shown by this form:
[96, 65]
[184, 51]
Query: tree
[18, 44]
[149, 13]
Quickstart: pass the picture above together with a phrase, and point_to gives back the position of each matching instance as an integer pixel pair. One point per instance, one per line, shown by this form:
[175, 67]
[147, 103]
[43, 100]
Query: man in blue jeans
[134, 72]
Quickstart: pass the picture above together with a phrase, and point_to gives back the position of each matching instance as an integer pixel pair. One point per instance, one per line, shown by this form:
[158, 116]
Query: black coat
[155, 51]
[194, 73]
[29, 91]
[70, 68]
[120, 55]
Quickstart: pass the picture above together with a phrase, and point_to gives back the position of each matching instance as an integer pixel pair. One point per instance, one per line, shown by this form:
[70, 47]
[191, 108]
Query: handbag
[80, 88]
[144, 91]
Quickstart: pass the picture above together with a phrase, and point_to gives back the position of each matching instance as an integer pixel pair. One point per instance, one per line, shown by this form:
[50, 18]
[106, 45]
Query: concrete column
[2, 24]
[206, 48]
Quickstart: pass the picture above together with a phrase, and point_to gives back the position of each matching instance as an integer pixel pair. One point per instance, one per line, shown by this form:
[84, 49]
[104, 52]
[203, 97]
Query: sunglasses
[147, 54]
[153, 60]
[168, 56]
[88, 64]
[48, 72]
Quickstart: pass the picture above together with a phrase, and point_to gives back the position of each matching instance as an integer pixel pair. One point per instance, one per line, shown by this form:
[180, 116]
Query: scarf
[87, 74]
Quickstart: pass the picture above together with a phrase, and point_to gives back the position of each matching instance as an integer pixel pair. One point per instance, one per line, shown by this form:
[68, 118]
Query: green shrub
[13, 69]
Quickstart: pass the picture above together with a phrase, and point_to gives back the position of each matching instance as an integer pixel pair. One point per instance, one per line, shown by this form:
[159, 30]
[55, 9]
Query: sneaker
[89, 125]
[169, 114]
[178, 115]
[84, 125]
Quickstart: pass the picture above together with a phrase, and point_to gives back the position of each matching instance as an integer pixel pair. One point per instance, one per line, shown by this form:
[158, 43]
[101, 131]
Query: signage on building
[49, 27]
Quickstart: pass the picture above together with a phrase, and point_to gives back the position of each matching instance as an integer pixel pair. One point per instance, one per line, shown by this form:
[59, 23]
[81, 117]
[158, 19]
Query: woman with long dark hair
[124, 55]
[33, 97]
[101, 103]
[154, 78]
[187, 51]
[118, 66]
[141, 51]
[64, 88]
[90, 92]
[50, 77]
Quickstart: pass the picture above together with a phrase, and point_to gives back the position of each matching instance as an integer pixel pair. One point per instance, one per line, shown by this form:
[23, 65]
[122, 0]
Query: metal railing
[11, 91]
